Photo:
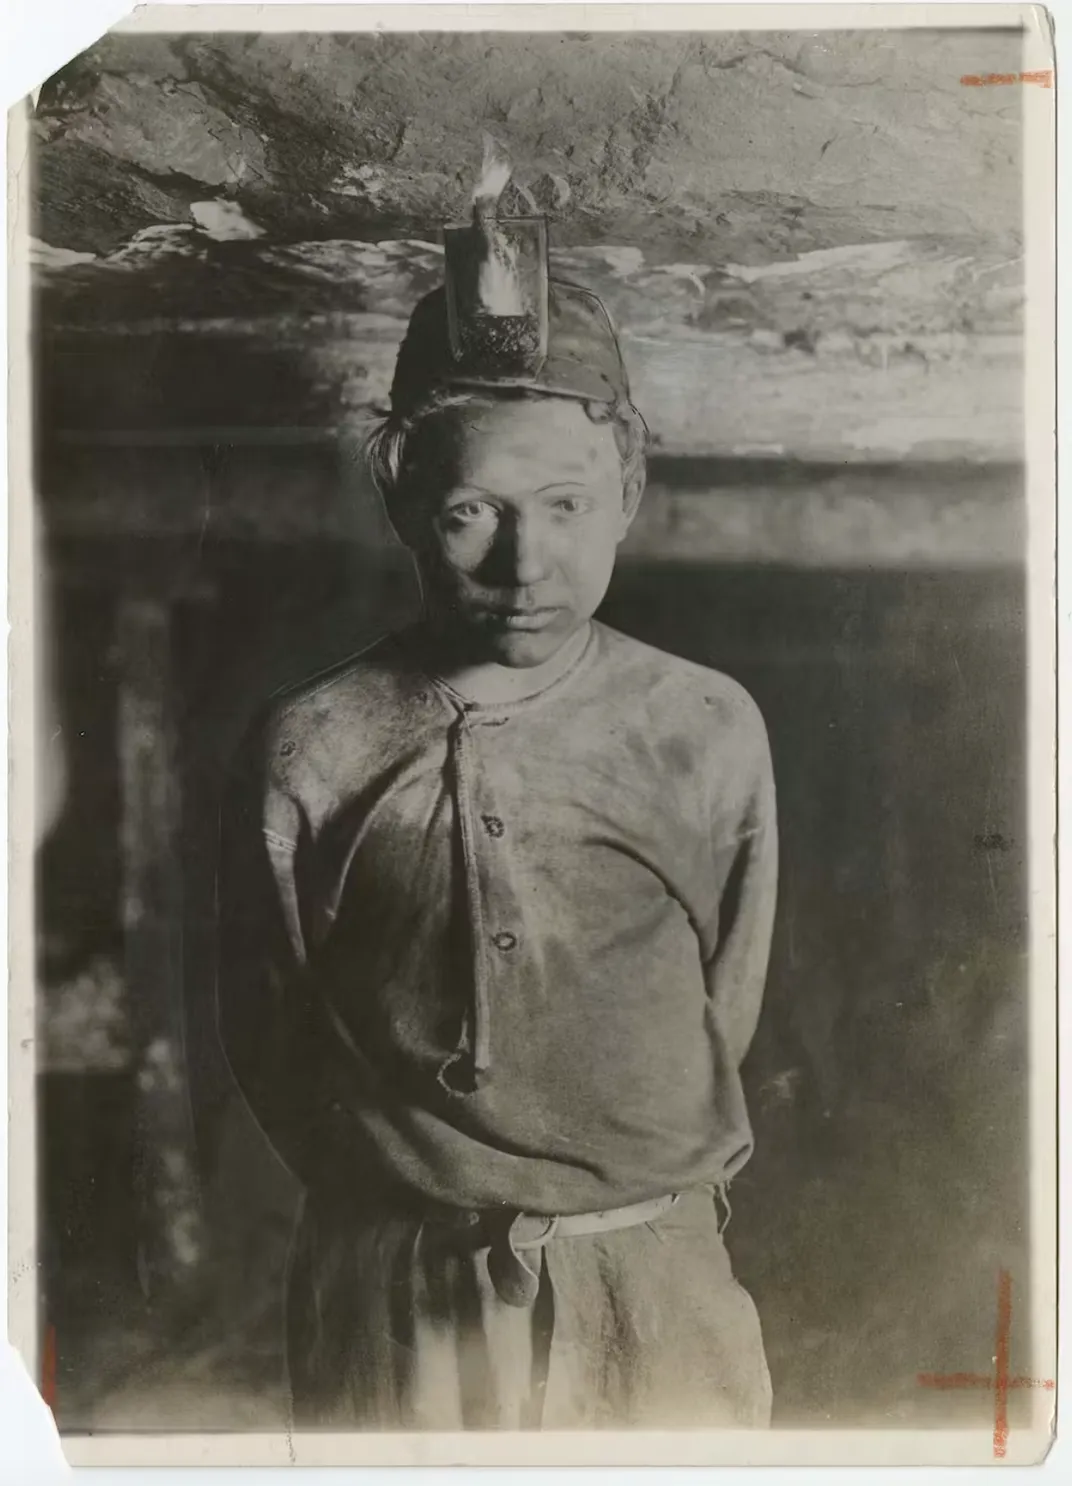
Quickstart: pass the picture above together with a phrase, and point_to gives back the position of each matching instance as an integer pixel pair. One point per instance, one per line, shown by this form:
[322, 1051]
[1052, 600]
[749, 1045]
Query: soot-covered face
[514, 521]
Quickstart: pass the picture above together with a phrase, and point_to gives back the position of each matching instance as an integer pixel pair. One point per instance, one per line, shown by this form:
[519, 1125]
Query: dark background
[207, 536]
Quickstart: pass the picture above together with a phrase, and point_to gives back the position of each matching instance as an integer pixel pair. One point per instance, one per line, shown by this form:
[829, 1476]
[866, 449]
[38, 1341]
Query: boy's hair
[392, 472]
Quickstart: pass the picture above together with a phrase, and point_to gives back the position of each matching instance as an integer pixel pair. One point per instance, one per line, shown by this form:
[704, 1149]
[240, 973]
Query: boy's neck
[487, 683]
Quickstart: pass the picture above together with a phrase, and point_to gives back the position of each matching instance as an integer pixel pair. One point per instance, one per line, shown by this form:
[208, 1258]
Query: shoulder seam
[331, 677]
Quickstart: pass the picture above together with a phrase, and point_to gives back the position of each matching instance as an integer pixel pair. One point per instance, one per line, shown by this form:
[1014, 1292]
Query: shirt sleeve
[736, 972]
[270, 1024]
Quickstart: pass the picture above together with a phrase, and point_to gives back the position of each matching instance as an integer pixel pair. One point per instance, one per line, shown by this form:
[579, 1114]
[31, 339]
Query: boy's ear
[632, 491]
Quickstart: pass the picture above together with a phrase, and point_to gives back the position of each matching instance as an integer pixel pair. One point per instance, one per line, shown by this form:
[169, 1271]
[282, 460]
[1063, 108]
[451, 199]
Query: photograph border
[798, 1447]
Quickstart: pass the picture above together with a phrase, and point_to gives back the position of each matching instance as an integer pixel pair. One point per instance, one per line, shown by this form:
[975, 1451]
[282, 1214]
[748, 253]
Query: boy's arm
[737, 970]
[268, 1022]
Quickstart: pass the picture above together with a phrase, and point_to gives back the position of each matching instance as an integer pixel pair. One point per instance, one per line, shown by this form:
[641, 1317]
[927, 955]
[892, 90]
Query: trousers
[394, 1322]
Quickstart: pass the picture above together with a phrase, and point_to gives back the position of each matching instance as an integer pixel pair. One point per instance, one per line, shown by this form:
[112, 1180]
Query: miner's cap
[583, 358]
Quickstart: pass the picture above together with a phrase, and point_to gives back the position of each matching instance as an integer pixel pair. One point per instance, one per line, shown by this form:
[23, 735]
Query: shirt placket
[494, 919]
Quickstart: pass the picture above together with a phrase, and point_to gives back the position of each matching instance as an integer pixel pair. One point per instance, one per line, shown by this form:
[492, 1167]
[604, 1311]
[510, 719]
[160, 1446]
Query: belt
[516, 1238]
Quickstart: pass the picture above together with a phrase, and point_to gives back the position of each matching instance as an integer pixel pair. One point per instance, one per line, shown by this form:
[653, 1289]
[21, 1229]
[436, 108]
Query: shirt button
[504, 940]
[493, 825]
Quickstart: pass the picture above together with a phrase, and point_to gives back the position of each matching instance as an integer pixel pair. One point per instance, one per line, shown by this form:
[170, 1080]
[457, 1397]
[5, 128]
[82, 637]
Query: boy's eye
[570, 505]
[465, 513]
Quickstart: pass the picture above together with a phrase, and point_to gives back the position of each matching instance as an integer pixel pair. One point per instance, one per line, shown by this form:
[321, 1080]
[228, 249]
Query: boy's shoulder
[375, 668]
[331, 702]
[679, 690]
[358, 707]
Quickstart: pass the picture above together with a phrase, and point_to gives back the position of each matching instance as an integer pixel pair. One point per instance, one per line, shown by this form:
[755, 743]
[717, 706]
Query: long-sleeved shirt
[505, 954]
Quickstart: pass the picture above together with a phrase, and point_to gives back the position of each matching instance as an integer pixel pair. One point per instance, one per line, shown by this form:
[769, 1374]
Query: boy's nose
[528, 551]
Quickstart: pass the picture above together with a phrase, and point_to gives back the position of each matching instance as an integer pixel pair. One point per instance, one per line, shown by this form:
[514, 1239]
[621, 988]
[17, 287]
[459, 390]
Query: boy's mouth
[520, 618]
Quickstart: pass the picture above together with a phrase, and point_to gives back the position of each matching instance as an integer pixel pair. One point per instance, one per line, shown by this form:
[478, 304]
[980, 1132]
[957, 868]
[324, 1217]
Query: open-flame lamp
[496, 282]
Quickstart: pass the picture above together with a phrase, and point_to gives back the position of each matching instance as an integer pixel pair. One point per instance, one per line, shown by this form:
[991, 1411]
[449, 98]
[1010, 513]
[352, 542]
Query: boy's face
[516, 543]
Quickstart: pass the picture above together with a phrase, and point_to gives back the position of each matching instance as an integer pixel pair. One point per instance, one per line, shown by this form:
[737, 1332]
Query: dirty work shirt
[505, 956]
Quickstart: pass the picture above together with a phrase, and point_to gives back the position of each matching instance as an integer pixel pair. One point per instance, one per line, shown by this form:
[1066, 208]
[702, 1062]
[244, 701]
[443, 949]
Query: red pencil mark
[1043, 79]
[1001, 1363]
[999, 1379]
[48, 1368]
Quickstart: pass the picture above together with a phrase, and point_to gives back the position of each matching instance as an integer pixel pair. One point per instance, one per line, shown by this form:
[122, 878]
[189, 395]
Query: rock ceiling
[811, 241]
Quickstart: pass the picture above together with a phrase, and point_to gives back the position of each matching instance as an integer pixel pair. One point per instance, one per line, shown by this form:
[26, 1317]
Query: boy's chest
[551, 821]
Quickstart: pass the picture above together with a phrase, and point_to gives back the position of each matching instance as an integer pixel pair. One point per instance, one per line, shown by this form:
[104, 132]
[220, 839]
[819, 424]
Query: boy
[496, 905]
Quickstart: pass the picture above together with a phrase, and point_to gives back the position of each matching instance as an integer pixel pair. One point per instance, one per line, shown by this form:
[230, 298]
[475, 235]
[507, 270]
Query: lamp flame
[494, 174]
[498, 287]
